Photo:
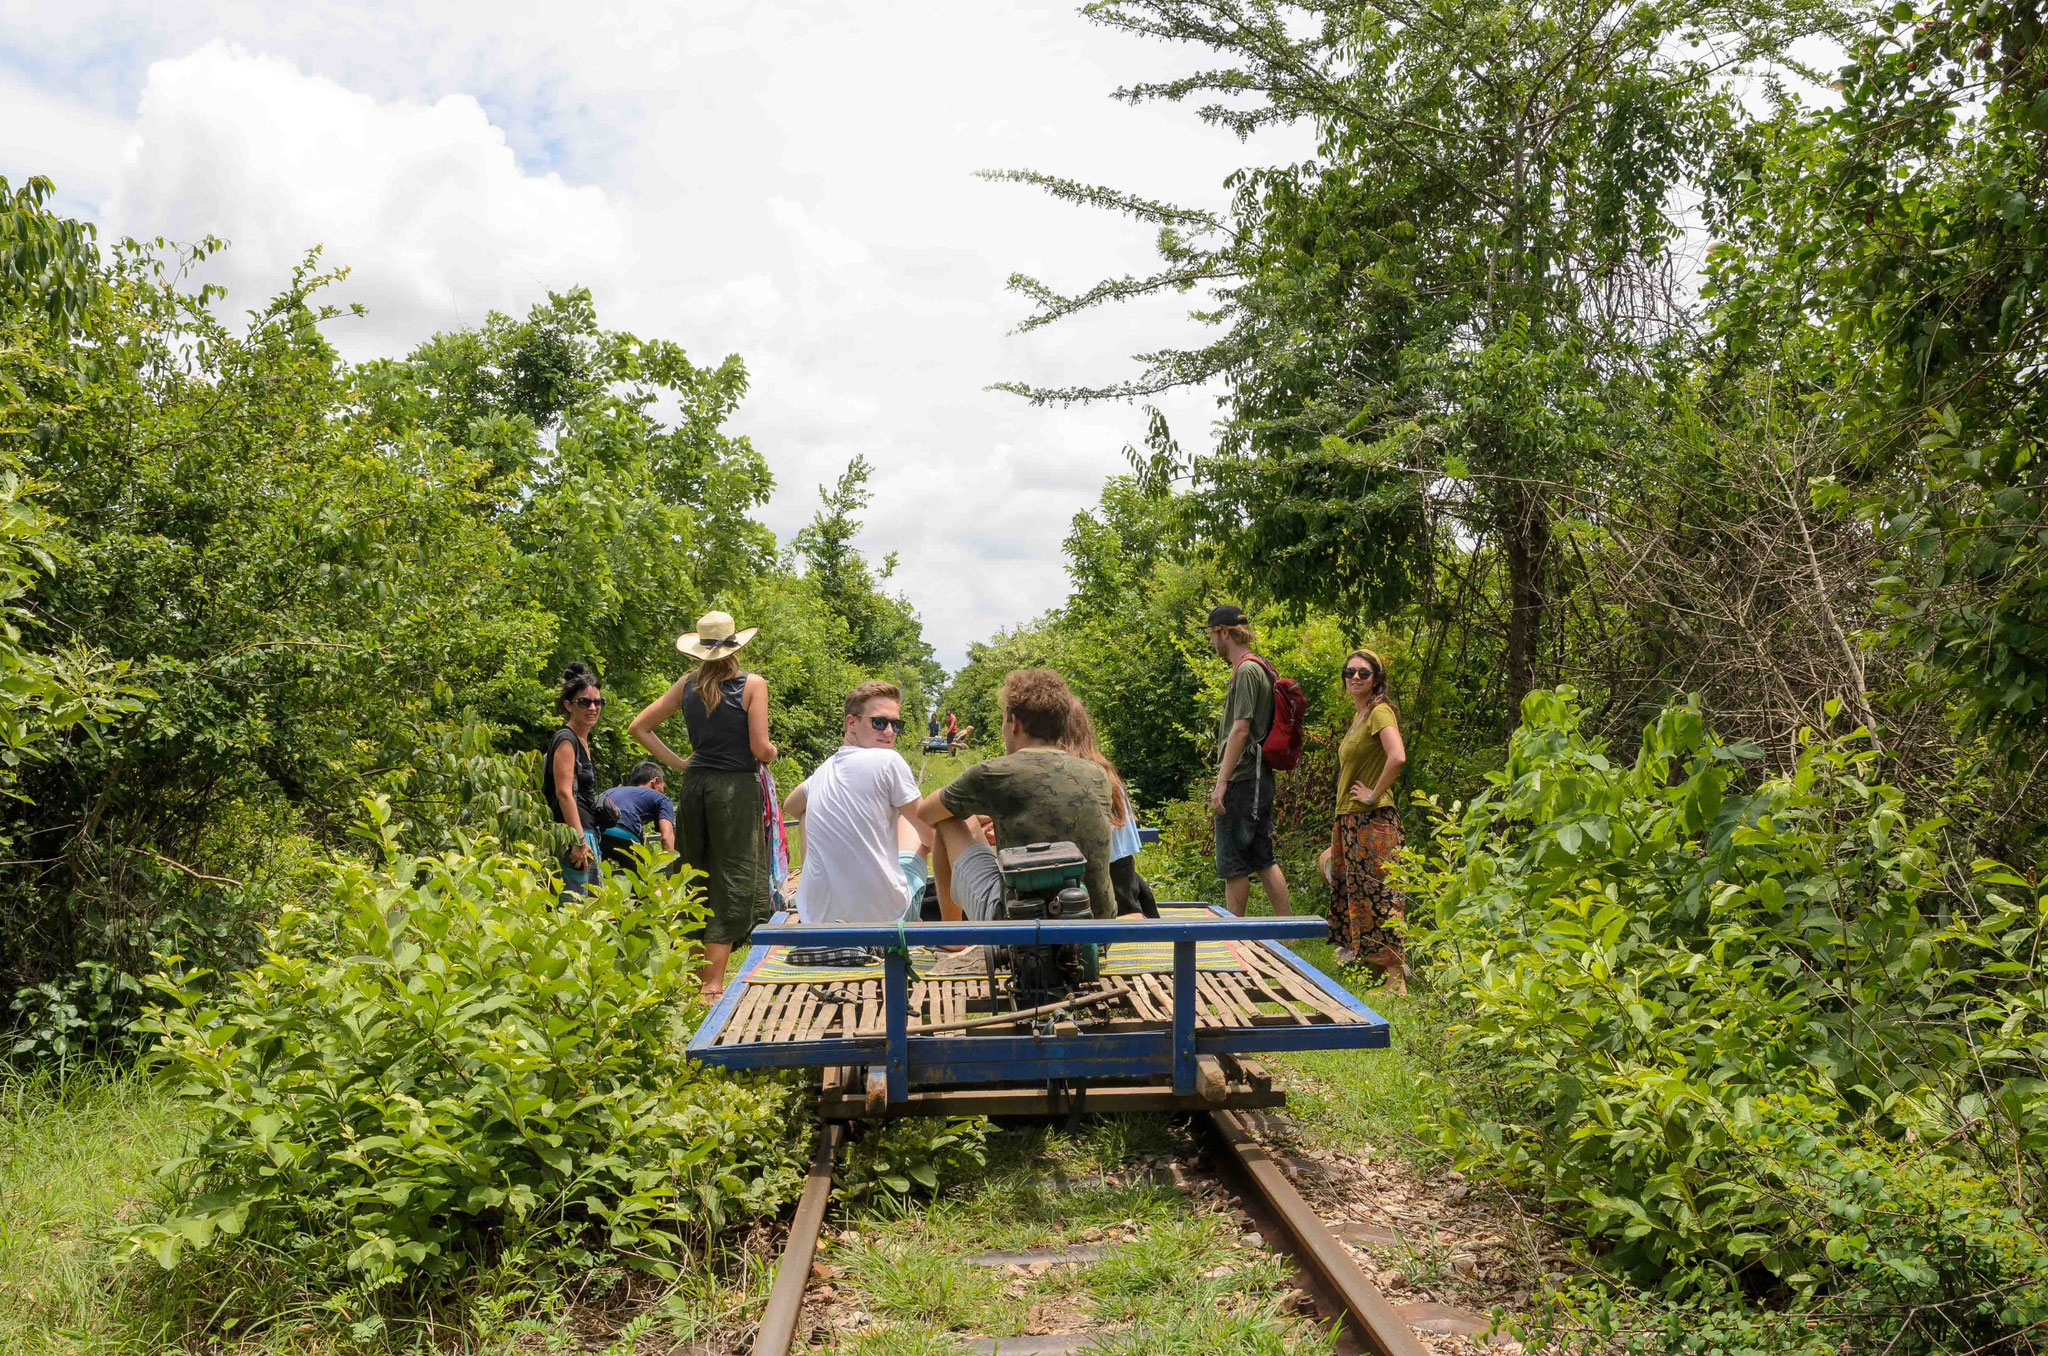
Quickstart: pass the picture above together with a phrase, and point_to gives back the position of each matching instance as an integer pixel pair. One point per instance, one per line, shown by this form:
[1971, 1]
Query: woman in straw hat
[718, 803]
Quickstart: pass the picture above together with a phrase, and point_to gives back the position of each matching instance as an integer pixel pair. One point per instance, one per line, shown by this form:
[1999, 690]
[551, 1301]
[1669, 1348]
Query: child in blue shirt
[641, 802]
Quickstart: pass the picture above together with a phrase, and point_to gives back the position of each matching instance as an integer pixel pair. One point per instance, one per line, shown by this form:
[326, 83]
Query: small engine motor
[1045, 880]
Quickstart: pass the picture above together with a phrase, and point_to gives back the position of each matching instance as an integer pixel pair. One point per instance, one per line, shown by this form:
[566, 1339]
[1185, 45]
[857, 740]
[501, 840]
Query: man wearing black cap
[1243, 798]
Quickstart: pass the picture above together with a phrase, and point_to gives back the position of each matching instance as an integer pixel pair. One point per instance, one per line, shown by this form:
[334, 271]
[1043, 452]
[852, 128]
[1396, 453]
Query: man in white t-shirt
[858, 865]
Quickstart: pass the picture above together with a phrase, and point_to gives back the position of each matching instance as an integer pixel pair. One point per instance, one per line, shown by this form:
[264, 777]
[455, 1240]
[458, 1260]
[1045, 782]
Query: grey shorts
[978, 883]
[1244, 831]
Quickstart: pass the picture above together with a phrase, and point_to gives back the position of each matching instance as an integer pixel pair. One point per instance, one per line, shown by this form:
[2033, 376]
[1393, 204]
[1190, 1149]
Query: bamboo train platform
[1182, 1004]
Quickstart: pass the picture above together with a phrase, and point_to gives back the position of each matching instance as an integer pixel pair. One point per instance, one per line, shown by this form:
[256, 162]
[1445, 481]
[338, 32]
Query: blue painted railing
[944, 1059]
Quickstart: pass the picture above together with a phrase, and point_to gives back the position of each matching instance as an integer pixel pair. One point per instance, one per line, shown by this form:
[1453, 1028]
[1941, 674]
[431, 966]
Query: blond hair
[1080, 741]
[712, 675]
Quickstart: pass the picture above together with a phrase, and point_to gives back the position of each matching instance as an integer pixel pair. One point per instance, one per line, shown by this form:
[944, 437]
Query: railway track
[1344, 1298]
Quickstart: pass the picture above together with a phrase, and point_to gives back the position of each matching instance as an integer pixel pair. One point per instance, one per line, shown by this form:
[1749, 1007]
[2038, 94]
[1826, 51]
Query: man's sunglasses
[886, 723]
[1351, 671]
[588, 703]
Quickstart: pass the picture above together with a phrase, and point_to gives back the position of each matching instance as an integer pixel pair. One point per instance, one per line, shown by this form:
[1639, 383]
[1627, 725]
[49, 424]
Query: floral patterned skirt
[1362, 902]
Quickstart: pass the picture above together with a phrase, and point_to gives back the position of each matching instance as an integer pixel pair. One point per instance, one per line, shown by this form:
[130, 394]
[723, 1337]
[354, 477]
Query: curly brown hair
[1039, 699]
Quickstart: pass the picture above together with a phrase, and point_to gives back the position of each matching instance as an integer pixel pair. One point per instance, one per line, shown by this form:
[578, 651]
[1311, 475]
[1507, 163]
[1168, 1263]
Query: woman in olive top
[1368, 829]
[718, 803]
[568, 783]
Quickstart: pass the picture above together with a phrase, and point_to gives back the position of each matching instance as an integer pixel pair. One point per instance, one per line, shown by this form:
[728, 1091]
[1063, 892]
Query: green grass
[1259, 1330]
[934, 770]
[1179, 1267]
[1172, 1278]
[78, 1151]
[898, 1341]
[916, 1281]
[1041, 1189]
[1360, 1097]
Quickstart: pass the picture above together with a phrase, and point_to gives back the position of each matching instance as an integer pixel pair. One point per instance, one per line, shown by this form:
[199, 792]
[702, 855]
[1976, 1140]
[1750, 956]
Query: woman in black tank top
[719, 826]
[568, 782]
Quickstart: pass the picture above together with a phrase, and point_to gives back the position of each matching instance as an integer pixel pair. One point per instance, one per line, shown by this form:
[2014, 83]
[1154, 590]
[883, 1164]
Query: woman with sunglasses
[1368, 828]
[718, 802]
[568, 782]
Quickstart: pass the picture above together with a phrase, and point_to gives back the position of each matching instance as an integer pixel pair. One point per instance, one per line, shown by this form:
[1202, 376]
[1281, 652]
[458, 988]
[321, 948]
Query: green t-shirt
[1362, 758]
[1250, 698]
[1043, 796]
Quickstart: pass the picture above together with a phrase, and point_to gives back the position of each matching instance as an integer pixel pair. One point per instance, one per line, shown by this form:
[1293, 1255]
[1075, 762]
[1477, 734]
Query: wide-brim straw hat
[714, 636]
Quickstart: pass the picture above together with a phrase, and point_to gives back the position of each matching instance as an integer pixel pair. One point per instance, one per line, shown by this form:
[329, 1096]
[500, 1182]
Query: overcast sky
[790, 181]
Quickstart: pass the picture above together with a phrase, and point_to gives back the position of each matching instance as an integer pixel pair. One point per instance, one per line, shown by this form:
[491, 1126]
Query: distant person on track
[638, 805]
[1367, 832]
[1133, 895]
[1242, 800]
[1036, 792]
[855, 811]
[569, 783]
[719, 807]
[931, 727]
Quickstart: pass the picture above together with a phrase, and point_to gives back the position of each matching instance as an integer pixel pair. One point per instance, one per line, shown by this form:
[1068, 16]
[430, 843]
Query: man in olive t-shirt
[1242, 801]
[1034, 793]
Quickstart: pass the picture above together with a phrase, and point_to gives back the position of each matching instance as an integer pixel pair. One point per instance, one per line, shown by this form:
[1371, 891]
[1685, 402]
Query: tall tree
[1882, 258]
[1413, 321]
[886, 637]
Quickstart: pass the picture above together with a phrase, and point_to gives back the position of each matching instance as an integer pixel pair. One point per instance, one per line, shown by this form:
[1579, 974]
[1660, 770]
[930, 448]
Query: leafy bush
[1716, 1026]
[441, 1061]
[898, 1157]
[455, 785]
[87, 1012]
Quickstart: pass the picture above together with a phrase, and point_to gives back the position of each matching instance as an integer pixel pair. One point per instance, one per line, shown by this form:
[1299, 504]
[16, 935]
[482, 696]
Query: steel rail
[1365, 1319]
[1363, 1311]
[786, 1299]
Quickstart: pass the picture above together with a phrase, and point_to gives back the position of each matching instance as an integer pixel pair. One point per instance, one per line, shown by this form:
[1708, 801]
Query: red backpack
[1281, 748]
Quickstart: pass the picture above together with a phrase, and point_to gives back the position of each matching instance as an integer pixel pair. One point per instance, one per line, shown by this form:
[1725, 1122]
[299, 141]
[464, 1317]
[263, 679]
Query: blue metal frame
[953, 1059]
[1219, 926]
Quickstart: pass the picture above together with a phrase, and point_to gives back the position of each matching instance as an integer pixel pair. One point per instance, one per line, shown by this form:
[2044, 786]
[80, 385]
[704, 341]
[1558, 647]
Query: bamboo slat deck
[1268, 993]
[1184, 999]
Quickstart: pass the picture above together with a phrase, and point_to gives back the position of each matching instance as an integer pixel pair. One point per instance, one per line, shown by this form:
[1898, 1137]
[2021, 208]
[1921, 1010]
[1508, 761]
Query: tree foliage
[249, 582]
[1417, 324]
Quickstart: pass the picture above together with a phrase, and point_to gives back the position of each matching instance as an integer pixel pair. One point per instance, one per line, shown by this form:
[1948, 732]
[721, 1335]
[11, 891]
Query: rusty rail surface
[786, 1300]
[1363, 1312]
[1365, 1319]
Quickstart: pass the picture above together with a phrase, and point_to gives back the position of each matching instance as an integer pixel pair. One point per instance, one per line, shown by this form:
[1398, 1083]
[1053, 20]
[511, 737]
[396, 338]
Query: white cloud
[425, 203]
[42, 133]
[791, 180]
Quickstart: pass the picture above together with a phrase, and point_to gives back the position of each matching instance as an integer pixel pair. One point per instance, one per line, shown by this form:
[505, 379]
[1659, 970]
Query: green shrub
[442, 1061]
[1697, 1016]
[899, 1157]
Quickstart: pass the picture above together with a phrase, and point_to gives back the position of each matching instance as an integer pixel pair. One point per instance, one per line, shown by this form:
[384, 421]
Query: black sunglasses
[886, 723]
[1355, 672]
[588, 703]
